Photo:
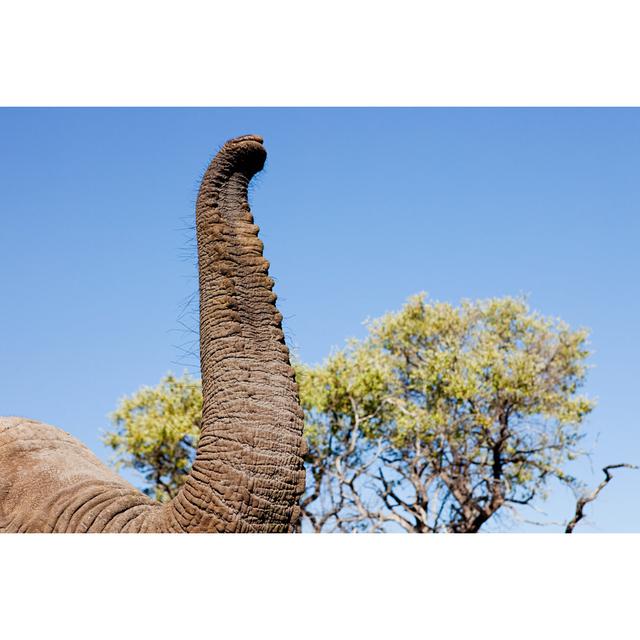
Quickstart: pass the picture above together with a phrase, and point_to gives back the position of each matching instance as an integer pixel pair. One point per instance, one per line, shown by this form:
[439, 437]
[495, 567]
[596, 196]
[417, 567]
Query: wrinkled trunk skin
[248, 473]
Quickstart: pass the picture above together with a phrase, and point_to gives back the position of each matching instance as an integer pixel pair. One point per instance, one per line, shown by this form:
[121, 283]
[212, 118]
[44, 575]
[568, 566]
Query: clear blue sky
[359, 208]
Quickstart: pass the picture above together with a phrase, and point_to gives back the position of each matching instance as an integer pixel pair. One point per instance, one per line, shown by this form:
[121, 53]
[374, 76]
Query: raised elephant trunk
[248, 472]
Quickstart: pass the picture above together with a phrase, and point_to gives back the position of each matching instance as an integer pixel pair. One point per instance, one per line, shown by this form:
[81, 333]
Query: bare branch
[584, 500]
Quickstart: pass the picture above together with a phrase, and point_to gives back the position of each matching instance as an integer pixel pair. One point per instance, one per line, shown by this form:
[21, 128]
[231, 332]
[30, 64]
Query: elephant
[248, 472]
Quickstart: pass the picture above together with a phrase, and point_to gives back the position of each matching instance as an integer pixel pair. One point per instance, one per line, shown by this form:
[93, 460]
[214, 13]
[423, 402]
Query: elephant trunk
[248, 472]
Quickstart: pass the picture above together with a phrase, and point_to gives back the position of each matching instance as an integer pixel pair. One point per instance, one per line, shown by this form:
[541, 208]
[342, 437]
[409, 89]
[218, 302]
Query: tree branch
[584, 500]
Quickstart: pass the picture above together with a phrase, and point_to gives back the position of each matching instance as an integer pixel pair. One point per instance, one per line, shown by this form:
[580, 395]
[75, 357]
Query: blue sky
[359, 208]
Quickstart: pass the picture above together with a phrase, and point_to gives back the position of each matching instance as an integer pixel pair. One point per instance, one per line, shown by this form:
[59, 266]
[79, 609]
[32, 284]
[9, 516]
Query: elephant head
[248, 472]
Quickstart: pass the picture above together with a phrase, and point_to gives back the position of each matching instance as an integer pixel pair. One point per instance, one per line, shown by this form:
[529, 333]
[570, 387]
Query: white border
[338, 52]
[321, 586]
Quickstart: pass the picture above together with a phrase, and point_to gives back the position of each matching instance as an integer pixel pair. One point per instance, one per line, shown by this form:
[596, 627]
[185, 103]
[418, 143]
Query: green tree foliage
[156, 433]
[441, 419]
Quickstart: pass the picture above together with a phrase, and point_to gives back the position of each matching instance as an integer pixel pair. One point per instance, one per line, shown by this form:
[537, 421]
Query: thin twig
[584, 500]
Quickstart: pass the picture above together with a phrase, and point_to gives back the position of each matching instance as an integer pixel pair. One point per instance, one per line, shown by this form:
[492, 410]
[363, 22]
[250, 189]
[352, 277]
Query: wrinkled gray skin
[248, 472]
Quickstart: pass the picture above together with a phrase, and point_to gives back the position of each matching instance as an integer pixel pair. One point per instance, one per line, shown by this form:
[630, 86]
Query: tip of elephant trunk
[248, 138]
[244, 154]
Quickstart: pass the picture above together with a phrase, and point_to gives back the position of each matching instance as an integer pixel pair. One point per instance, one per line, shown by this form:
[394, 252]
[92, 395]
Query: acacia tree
[442, 419]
